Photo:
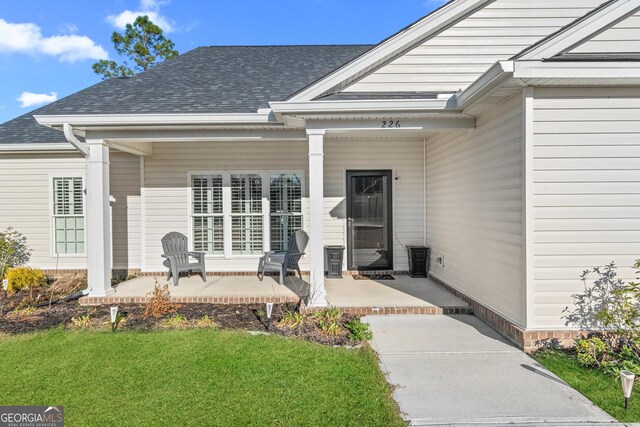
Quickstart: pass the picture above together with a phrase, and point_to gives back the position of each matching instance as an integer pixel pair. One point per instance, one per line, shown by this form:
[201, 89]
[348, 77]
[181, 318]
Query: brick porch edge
[189, 300]
[528, 341]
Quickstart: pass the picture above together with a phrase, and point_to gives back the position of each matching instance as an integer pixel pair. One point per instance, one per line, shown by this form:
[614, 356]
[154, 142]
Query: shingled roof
[216, 79]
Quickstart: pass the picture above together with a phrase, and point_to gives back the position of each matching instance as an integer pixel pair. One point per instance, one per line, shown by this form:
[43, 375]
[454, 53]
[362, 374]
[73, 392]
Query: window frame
[265, 175]
[53, 250]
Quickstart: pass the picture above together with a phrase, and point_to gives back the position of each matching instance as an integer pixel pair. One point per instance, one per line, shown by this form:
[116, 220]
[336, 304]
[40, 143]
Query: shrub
[292, 319]
[175, 322]
[25, 278]
[13, 250]
[358, 331]
[160, 302]
[329, 320]
[82, 322]
[613, 307]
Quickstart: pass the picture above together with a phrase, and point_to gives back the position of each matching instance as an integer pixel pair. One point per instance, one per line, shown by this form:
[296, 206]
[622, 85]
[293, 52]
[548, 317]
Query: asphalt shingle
[216, 79]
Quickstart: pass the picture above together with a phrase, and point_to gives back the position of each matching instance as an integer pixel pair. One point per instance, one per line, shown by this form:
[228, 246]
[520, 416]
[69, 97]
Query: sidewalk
[455, 370]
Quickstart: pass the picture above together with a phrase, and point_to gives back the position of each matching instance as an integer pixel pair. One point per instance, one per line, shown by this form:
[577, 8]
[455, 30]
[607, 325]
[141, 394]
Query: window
[285, 203]
[207, 214]
[244, 214]
[68, 215]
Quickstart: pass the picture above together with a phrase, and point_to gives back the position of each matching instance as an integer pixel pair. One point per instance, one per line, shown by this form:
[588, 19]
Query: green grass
[196, 377]
[603, 390]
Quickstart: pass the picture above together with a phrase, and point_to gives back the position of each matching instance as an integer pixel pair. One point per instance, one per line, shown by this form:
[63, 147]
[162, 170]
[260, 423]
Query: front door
[369, 210]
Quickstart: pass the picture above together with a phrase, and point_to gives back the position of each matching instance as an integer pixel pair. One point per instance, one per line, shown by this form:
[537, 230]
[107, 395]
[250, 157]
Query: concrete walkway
[455, 370]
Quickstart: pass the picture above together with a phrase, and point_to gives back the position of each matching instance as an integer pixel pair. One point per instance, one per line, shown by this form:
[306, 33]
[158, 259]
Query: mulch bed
[248, 317]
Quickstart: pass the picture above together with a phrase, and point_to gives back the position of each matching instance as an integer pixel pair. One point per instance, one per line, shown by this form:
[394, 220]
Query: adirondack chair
[283, 261]
[178, 257]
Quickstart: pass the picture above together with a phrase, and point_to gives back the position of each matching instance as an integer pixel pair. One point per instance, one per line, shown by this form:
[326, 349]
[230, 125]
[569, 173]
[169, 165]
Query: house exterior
[502, 134]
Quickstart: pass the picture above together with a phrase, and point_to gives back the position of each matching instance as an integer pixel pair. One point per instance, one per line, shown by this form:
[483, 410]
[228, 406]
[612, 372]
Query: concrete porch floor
[402, 295]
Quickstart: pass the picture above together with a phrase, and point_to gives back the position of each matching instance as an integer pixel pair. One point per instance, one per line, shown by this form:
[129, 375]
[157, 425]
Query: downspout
[82, 147]
[71, 138]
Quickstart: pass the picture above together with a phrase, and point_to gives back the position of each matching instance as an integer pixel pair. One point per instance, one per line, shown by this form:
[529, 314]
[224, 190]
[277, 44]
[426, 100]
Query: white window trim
[226, 206]
[52, 227]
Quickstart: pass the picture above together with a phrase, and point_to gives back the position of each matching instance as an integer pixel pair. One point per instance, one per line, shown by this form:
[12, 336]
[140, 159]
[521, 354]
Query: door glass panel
[369, 220]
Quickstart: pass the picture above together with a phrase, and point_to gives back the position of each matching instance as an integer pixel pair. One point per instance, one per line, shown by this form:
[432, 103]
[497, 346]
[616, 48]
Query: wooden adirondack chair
[283, 261]
[179, 258]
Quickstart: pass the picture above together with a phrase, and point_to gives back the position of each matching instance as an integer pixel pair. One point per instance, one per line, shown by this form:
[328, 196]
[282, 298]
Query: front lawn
[603, 390]
[194, 377]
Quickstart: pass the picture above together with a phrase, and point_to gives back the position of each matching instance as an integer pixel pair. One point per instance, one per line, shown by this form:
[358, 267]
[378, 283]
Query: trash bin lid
[334, 247]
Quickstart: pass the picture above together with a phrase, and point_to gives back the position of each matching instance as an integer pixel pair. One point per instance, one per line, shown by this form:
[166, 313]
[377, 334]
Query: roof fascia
[43, 147]
[127, 120]
[430, 25]
[360, 106]
[580, 30]
[614, 71]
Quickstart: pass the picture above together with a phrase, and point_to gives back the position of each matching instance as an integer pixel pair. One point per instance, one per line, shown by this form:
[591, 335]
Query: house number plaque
[386, 124]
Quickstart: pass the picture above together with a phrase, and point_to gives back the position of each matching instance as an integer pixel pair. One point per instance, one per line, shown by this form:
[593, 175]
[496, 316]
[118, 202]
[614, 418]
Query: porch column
[98, 223]
[317, 294]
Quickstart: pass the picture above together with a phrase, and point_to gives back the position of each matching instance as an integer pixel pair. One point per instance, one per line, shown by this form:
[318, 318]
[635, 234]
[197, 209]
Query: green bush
[13, 250]
[25, 278]
[358, 331]
[611, 307]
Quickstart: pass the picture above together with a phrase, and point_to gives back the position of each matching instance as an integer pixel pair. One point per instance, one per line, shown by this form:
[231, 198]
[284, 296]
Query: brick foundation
[528, 341]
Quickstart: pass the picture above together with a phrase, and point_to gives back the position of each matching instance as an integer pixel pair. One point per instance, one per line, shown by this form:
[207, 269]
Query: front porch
[404, 295]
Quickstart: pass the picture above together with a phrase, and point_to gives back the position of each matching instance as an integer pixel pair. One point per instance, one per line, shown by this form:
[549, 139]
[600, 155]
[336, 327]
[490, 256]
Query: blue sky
[47, 47]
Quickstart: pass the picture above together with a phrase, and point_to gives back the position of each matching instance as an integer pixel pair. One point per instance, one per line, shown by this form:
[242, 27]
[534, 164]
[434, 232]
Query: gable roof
[216, 79]
[557, 46]
[403, 41]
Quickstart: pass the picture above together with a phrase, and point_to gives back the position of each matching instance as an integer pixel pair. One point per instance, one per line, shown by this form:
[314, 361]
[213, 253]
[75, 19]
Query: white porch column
[317, 294]
[98, 222]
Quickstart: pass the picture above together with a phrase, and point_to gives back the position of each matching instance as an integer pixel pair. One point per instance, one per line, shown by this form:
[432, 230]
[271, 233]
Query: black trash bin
[419, 257]
[333, 256]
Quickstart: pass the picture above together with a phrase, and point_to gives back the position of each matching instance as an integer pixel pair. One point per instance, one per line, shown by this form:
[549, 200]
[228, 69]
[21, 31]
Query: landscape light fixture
[269, 311]
[627, 378]
[5, 286]
[114, 316]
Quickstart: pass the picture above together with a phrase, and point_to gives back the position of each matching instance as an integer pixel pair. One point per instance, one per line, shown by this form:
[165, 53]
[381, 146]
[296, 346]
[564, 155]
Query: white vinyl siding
[167, 204]
[26, 195]
[457, 56]
[474, 209]
[68, 216]
[623, 37]
[586, 181]
[405, 158]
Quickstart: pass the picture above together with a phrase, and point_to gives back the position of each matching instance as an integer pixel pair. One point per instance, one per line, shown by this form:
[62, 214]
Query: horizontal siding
[25, 195]
[586, 185]
[457, 56]
[166, 198]
[474, 209]
[623, 37]
[405, 159]
[125, 190]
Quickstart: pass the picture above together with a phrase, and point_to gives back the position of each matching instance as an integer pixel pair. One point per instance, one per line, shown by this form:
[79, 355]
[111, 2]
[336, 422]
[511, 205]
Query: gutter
[161, 120]
[500, 72]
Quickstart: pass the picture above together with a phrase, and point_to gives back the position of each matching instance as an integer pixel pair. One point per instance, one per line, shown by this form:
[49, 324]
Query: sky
[47, 47]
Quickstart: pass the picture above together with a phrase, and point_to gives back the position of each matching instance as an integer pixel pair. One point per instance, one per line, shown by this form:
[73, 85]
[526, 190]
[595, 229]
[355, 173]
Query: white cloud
[29, 99]
[27, 38]
[151, 8]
